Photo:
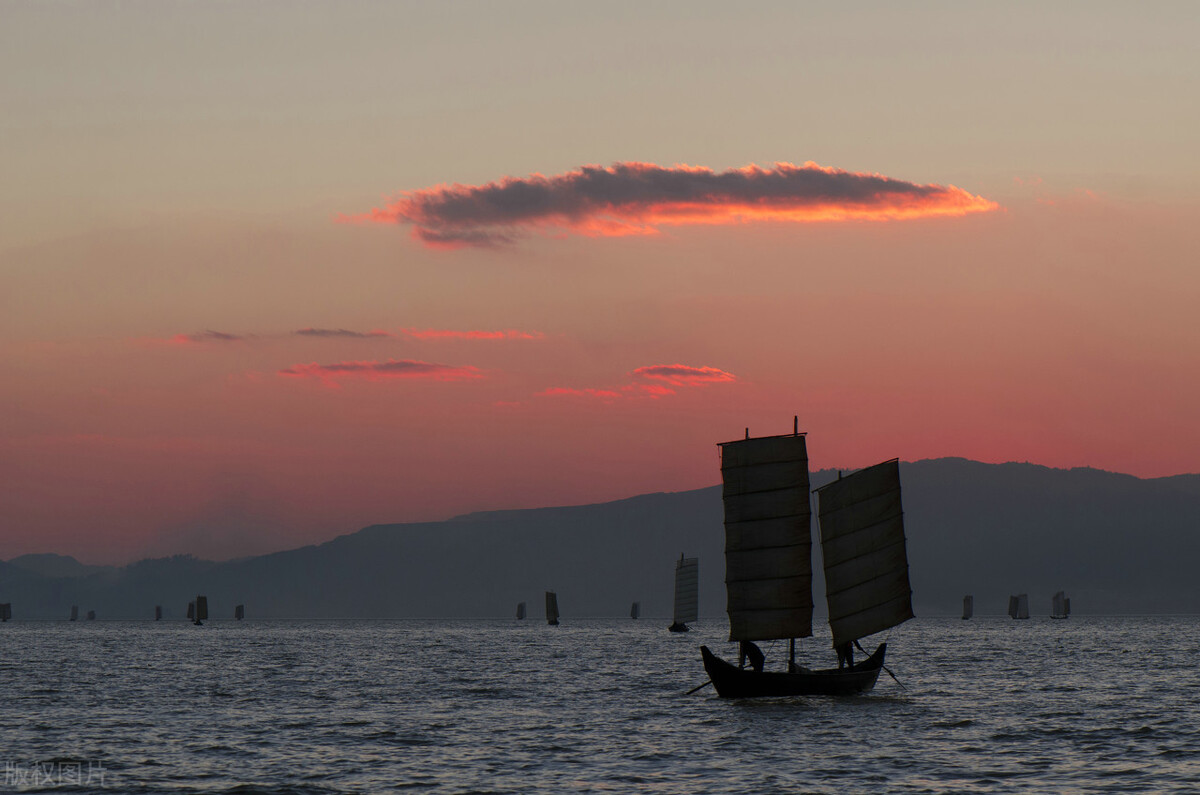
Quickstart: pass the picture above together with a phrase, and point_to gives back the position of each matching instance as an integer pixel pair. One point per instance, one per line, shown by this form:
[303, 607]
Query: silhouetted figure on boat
[748, 650]
[845, 653]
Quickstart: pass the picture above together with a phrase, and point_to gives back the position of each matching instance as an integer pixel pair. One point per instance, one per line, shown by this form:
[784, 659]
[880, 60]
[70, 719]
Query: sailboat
[687, 584]
[768, 567]
[91, 615]
[5, 611]
[239, 612]
[1018, 606]
[1060, 606]
[74, 613]
[635, 610]
[158, 612]
[968, 606]
[552, 608]
[520, 611]
[191, 611]
[201, 610]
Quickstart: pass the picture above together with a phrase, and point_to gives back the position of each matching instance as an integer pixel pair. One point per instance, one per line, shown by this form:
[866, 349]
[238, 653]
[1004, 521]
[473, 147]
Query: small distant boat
[635, 610]
[74, 613]
[968, 606]
[1060, 606]
[1018, 606]
[91, 616]
[239, 612]
[768, 566]
[5, 611]
[201, 610]
[158, 612]
[191, 611]
[520, 611]
[687, 585]
[552, 608]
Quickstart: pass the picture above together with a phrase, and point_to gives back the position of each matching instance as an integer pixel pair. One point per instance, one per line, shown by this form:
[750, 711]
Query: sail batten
[864, 552]
[768, 540]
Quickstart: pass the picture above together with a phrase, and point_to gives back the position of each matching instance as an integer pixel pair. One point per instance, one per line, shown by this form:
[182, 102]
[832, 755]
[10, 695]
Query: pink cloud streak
[381, 371]
[443, 334]
[671, 375]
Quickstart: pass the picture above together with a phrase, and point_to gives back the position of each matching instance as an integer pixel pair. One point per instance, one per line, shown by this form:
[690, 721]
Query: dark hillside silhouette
[1115, 543]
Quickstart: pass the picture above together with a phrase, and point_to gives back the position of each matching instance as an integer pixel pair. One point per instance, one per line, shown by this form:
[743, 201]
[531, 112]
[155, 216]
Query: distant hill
[48, 564]
[1115, 543]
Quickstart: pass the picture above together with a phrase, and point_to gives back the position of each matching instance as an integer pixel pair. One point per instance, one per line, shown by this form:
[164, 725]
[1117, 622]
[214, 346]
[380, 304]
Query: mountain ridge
[1114, 542]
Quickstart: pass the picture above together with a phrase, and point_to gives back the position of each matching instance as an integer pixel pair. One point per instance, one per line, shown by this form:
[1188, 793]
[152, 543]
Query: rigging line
[884, 667]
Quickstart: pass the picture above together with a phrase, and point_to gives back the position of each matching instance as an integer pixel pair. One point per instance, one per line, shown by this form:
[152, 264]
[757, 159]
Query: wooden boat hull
[733, 682]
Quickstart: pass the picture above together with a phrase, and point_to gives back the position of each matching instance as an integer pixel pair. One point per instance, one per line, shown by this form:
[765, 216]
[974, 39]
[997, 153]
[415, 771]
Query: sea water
[1089, 704]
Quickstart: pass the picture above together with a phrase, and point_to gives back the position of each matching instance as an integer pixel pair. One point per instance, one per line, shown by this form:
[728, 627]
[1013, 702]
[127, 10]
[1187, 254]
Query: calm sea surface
[988, 705]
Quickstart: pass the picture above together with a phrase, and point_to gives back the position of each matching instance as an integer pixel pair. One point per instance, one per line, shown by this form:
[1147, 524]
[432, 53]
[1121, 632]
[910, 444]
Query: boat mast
[792, 641]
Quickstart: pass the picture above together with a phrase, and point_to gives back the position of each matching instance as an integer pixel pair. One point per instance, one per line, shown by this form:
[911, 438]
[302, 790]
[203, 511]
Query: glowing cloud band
[637, 198]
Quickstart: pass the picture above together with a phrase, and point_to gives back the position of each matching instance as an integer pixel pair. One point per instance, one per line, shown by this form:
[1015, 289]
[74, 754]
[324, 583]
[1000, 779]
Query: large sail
[768, 538]
[687, 584]
[862, 543]
[1022, 606]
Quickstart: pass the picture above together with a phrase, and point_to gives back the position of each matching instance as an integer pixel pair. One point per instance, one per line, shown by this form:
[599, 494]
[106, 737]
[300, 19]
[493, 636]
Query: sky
[271, 272]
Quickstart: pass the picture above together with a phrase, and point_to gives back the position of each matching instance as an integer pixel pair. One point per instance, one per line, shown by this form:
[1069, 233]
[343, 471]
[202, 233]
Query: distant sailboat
[520, 611]
[191, 611]
[158, 612]
[1060, 606]
[968, 606]
[91, 616]
[74, 613]
[201, 610]
[552, 608]
[1018, 606]
[687, 584]
[239, 612]
[635, 610]
[768, 569]
[5, 611]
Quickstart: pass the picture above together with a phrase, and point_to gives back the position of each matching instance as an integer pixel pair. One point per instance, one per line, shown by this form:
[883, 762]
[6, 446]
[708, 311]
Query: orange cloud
[381, 371]
[638, 198]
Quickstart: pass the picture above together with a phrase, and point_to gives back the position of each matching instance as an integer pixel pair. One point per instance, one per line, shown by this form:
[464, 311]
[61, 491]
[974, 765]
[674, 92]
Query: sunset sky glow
[272, 272]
